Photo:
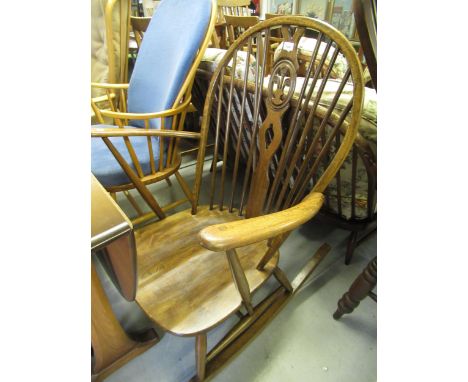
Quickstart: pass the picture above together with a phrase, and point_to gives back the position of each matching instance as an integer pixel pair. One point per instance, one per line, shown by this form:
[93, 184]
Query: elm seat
[157, 265]
[105, 167]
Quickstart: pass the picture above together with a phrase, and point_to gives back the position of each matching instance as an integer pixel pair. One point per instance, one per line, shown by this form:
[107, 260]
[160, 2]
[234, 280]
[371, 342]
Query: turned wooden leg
[200, 354]
[360, 288]
[352, 242]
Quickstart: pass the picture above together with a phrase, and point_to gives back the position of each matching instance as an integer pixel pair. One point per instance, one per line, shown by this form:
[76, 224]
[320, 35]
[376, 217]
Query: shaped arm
[226, 236]
[123, 114]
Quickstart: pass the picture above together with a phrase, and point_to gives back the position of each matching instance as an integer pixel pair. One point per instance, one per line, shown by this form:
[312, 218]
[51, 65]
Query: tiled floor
[303, 343]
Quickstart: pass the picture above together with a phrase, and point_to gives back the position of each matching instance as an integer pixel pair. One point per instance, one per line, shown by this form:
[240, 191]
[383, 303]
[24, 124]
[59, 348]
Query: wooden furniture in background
[236, 25]
[360, 227]
[161, 130]
[360, 289]
[200, 266]
[139, 25]
[112, 233]
[232, 8]
[365, 14]
[138, 28]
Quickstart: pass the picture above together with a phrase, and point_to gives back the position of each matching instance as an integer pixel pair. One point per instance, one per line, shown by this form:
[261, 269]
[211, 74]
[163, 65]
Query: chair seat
[105, 167]
[184, 287]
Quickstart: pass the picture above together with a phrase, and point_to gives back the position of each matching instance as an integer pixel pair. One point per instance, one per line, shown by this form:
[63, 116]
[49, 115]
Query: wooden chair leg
[133, 202]
[352, 242]
[200, 354]
[168, 181]
[359, 290]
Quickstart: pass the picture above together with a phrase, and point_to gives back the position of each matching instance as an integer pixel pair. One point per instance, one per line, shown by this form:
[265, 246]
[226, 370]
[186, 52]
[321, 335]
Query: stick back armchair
[141, 144]
[198, 267]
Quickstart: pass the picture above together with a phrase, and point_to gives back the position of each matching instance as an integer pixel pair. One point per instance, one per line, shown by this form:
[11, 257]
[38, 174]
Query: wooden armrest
[102, 98]
[142, 116]
[226, 236]
[139, 132]
[104, 85]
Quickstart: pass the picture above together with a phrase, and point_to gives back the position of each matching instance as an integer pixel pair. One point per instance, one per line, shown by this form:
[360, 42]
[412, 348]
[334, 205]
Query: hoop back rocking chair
[200, 266]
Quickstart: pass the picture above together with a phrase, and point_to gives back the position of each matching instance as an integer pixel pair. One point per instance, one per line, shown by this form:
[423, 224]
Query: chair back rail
[278, 140]
[236, 25]
[233, 8]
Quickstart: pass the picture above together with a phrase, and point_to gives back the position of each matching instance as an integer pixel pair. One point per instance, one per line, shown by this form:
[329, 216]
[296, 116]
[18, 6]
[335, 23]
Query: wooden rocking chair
[142, 147]
[198, 267]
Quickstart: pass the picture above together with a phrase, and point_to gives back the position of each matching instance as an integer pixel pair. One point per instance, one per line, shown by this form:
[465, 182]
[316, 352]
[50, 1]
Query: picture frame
[314, 8]
[342, 18]
[282, 7]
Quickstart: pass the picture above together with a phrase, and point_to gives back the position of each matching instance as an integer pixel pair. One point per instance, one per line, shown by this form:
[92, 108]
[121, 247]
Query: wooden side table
[112, 233]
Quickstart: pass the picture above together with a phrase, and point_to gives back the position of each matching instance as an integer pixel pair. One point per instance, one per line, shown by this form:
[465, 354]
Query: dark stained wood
[112, 347]
[139, 25]
[365, 14]
[112, 232]
[360, 289]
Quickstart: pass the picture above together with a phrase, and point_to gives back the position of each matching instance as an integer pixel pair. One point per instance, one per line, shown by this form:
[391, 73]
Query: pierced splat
[280, 90]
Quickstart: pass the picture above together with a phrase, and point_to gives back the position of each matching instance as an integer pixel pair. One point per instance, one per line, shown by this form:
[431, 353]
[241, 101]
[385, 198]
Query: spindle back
[278, 136]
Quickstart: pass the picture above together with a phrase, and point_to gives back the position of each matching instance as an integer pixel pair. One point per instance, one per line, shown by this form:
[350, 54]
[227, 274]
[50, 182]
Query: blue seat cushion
[105, 167]
[167, 52]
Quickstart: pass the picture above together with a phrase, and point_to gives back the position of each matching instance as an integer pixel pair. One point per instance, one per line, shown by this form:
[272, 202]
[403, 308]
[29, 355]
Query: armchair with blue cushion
[141, 144]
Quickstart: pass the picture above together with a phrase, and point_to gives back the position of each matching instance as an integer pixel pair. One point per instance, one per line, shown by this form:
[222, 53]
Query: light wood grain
[169, 136]
[226, 236]
[185, 288]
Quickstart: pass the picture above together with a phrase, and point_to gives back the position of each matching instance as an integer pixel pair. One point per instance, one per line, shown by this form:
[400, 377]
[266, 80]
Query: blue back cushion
[169, 47]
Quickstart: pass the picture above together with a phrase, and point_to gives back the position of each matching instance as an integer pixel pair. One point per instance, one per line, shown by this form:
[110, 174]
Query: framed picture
[342, 17]
[314, 8]
[282, 7]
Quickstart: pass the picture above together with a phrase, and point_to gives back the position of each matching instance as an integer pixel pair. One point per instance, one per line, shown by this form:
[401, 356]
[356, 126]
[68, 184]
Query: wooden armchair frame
[236, 25]
[361, 154]
[228, 7]
[233, 8]
[365, 14]
[114, 105]
[210, 260]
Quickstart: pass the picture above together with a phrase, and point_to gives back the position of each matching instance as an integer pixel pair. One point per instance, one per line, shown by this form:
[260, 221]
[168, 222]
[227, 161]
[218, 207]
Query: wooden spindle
[241, 125]
[226, 132]
[217, 133]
